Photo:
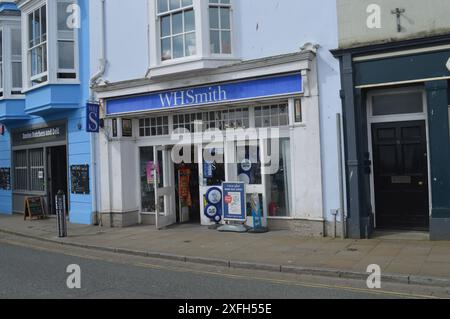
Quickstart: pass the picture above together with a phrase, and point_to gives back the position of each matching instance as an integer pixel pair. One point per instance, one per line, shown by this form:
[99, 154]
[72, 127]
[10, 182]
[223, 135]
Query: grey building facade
[395, 72]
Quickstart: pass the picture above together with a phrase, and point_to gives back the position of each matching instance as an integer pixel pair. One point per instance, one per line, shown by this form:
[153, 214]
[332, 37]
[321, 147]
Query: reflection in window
[220, 26]
[271, 115]
[66, 41]
[249, 164]
[147, 168]
[177, 29]
[213, 172]
[278, 186]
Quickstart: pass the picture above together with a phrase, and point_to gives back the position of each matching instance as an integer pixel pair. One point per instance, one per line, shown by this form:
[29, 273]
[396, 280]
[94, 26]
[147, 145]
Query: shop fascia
[215, 139]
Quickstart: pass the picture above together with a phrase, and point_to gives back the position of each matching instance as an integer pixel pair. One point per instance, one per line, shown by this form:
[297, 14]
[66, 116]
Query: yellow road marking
[217, 274]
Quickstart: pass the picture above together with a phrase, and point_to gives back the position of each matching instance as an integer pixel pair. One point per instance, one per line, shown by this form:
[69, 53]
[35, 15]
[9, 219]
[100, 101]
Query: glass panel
[191, 47]
[37, 173]
[226, 42]
[166, 49]
[403, 103]
[16, 44]
[189, 21]
[147, 185]
[178, 44]
[213, 173]
[174, 4]
[177, 23]
[165, 26]
[20, 170]
[66, 55]
[249, 164]
[186, 3]
[215, 42]
[214, 18]
[279, 184]
[163, 6]
[62, 15]
[17, 75]
[225, 18]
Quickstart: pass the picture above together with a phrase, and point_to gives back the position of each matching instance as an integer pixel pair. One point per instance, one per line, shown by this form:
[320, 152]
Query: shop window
[20, 170]
[37, 174]
[278, 185]
[271, 116]
[249, 164]
[221, 120]
[147, 167]
[220, 26]
[154, 126]
[213, 172]
[177, 28]
[37, 45]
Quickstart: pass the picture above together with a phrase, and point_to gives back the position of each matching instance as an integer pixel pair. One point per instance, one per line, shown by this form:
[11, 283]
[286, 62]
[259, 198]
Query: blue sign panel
[234, 202]
[213, 94]
[92, 118]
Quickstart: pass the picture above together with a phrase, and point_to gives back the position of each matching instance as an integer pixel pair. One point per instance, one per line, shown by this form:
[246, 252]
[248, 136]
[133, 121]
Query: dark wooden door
[401, 175]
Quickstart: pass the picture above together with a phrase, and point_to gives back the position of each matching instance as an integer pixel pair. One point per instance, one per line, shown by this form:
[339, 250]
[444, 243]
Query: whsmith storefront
[396, 109]
[148, 121]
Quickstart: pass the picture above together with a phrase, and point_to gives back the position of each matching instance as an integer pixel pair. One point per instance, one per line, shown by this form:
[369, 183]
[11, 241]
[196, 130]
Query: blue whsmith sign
[281, 85]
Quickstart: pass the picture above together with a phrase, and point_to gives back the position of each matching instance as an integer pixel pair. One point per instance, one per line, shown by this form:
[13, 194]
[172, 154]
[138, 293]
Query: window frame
[7, 26]
[219, 29]
[202, 32]
[52, 41]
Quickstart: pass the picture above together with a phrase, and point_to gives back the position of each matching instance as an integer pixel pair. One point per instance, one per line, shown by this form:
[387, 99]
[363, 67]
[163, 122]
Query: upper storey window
[188, 35]
[51, 41]
[220, 26]
[10, 59]
[177, 26]
[37, 45]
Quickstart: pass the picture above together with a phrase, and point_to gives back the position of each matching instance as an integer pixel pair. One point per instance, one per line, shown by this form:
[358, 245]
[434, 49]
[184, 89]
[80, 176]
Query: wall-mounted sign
[5, 178]
[80, 179]
[234, 202]
[281, 85]
[32, 135]
[92, 118]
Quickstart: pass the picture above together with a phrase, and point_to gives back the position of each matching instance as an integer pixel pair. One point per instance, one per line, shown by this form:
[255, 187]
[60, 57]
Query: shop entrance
[56, 175]
[188, 191]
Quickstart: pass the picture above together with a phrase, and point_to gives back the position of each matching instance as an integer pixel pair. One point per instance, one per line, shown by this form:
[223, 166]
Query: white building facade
[242, 91]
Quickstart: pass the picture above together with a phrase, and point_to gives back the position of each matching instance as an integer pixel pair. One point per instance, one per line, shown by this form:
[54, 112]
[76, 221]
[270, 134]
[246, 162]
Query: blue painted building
[45, 147]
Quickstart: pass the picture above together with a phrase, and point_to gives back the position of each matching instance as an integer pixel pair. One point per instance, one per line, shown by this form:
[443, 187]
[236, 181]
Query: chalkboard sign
[80, 179]
[34, 208]
[5, 178]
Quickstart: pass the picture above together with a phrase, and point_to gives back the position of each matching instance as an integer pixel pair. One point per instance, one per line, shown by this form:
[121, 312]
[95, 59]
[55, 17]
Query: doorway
[187, 184]
[56, 175]
[401, 175]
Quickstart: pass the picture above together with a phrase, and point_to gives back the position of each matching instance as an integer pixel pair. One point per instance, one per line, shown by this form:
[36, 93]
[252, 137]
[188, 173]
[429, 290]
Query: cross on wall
[398, 13]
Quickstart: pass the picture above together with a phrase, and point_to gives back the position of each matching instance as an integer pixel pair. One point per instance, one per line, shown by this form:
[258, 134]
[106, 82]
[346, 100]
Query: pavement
[414, 260]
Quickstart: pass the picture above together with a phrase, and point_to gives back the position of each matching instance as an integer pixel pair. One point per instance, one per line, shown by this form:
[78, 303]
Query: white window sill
[66, 82]
[185, 65]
